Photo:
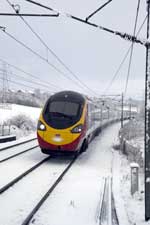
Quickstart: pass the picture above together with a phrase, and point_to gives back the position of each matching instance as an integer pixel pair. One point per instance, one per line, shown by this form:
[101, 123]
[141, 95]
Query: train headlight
[77, 129]
[41, 126]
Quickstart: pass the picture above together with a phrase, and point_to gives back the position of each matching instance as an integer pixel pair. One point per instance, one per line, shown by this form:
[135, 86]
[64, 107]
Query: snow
[14, 110]
[133, 204]
[117, 190]
[134, 165]
[25, 194]
[6, 136]
[76, 200]
[18, 165]
[20, 140]
[17, 149]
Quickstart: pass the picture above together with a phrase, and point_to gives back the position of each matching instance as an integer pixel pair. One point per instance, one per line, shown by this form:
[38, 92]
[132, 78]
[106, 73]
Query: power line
[51, 51]
[16, 7]
[123, 60]
[131, 54]
[18, 83]
[29, 81]
[101, 7]
[117, 33]
[39, 56]
[29, 74]
[28, 14]
[123, 35]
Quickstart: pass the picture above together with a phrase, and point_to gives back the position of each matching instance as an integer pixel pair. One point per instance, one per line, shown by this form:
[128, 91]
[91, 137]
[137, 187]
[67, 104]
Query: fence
[133, 153]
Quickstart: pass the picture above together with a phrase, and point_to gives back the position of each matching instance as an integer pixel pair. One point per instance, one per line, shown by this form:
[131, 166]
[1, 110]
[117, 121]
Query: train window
[66, 108]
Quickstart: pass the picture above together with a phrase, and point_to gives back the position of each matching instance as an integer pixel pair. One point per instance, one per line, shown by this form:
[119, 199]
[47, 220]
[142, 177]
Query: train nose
[61, 138]
[57, 138]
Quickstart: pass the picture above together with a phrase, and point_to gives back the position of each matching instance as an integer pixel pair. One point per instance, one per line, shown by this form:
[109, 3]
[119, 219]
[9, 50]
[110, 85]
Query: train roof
[68, 95]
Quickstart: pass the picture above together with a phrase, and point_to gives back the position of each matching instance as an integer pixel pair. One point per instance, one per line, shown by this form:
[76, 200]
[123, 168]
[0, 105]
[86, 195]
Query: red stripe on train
[68, 147]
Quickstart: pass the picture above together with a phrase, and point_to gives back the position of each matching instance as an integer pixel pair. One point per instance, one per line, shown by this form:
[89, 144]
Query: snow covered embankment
[133, 147]
[22, 119]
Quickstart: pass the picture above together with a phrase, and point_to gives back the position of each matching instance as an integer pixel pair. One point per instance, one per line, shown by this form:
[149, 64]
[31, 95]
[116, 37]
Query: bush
[132, 140]
[132, 129]
[21, 121]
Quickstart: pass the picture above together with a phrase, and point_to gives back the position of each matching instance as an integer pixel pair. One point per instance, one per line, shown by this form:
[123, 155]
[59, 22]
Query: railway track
[17, 154]
[108, 213]
[21, 176]
[25, 210]
[17, 149]
[47, 194]
[17, 144]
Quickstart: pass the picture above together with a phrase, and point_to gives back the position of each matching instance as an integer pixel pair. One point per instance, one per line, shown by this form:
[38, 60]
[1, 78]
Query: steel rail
[102, 199]
[102, 208]
[47, 194]
[108, 212]
[14, 181]
[14, 145]
[17, 154]
[115, 219]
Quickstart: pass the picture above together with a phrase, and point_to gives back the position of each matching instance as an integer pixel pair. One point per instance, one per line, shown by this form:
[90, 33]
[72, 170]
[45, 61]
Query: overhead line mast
[147, 122]
[123, 35]
[3, 29]
[16, 8]
[145, 43]
[101, 7]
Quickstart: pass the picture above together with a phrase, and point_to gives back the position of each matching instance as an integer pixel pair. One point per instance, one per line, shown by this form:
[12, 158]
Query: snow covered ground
[13, 110]
[134, 131]
[76, 200]
[28, 114]
[134, 205]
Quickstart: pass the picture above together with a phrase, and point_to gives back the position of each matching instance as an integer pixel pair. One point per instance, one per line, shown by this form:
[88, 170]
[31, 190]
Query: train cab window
[65, 108]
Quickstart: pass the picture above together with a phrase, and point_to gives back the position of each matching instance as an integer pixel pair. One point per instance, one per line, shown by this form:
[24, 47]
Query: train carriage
[66, 124]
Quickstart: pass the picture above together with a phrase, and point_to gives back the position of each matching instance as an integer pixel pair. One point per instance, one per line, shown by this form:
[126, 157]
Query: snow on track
[18, 141]
[14, 167]
[18, 201]
[76, 200]
[17, 149]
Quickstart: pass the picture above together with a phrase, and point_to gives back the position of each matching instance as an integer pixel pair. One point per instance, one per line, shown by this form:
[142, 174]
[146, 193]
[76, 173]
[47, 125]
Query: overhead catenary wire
[28, 15]
[31, 75]
[29, 81]
[96, 11]
[21, 84]
[123, 35]
[122, 61]
[41, 57]
[133, 39]
[53, 53]
[131, 53]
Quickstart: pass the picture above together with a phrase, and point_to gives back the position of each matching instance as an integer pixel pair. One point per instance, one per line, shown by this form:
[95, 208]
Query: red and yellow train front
[62, 126]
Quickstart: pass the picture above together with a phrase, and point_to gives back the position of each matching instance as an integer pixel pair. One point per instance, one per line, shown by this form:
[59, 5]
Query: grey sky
[93, 55]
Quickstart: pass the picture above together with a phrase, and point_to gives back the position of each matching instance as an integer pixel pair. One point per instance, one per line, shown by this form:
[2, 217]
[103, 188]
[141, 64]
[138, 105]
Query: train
[67, 123]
